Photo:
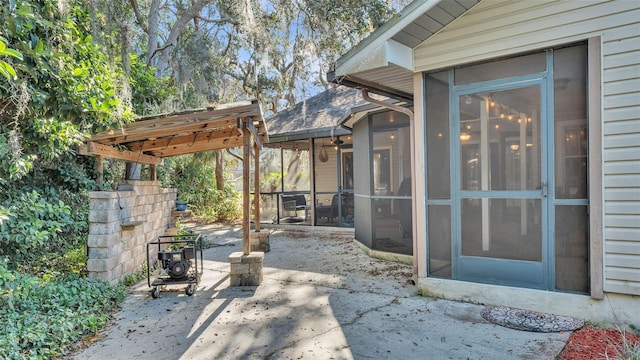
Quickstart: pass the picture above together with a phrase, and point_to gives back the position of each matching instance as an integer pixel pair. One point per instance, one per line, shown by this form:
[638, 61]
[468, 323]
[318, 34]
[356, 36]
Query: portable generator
[179, 261]
[176, 263]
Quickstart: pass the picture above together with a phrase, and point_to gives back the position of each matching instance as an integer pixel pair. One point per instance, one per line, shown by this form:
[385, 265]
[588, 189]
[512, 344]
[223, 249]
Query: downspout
[409, 113]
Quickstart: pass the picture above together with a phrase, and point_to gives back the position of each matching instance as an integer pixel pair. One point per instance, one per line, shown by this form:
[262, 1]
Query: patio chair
[301, 205]
[289, 205]
[330, 212]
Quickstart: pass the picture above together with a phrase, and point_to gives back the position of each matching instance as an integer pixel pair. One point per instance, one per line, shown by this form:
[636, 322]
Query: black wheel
[155, 293]
[190, 290]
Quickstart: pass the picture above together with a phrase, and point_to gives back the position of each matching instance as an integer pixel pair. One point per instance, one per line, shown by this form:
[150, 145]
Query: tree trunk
[152, 26]
[132, 171]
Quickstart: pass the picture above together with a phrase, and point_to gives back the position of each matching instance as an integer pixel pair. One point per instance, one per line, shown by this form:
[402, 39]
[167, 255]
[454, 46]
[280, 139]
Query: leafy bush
[192, 176]
[40, 319]
[222, 206]
[38, 225]
[59, 264]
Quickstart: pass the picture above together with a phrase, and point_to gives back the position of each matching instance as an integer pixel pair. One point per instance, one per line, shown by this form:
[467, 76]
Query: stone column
[246, 270]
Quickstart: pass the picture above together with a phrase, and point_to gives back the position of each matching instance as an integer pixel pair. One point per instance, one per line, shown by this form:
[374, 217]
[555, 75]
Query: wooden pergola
[150, 139]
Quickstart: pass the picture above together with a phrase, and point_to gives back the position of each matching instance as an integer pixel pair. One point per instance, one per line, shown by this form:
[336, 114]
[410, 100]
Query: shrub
[40, 318]
[37, 226]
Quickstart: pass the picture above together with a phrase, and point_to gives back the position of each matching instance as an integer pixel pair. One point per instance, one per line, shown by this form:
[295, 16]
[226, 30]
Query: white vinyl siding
[496, 28]
[326, 174]
[621, 138]
[499, 28]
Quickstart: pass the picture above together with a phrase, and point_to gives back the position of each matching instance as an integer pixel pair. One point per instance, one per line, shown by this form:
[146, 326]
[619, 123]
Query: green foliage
[148, 92]
[192, 176]
[223, 206]
[40, 319]
[64, 85]
[134, 278]
[6, 69]
[59, 264]
[35, 226]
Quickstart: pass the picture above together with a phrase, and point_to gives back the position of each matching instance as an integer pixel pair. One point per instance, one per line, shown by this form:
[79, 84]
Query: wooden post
[312, 185]
[256, 186]
[100, 171]
[153, 172]
[246, 135]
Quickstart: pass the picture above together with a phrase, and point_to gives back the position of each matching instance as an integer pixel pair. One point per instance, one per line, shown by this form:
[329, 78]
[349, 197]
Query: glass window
[513, 229]
[390, 166]
[572, 248]
[437, 128]
[440, 241]
[270, 171]
[501, 69]
[570, 115]
[500, 140]
[296, 167]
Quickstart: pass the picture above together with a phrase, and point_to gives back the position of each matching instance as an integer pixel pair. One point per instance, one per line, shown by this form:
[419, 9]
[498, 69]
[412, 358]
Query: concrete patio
[321, 298]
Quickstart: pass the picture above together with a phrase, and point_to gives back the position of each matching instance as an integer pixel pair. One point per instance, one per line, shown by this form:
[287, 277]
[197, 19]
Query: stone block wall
[121, 223]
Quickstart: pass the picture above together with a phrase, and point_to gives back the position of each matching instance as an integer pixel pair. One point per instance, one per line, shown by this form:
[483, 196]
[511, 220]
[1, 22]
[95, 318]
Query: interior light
[501, 116]
[392, 136]
[468, 126]
[510, 117]
[439, 135]
[514, 147]
[465, 136]
[497, 126]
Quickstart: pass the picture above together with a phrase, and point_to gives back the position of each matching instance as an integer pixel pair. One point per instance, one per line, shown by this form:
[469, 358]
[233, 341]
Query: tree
[64, 87]
[216, 51]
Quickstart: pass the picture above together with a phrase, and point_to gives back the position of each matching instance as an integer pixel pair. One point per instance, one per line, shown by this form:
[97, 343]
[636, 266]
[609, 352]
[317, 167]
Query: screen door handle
[544, 189]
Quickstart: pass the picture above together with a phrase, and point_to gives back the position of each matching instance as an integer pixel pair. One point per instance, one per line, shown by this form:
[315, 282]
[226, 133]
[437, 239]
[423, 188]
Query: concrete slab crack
[359, 315]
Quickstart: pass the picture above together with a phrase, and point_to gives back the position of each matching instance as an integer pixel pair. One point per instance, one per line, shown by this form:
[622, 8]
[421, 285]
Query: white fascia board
[400, 55]
[376, 58]
[359, 56]
[380, 57]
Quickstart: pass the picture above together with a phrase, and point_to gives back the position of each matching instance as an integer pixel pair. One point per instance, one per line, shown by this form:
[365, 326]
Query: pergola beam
[254, 132]
[92, 148]
[190, 148]
[166, 142]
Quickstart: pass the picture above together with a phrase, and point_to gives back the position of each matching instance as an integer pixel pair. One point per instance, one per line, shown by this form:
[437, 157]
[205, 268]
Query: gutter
[414, 224]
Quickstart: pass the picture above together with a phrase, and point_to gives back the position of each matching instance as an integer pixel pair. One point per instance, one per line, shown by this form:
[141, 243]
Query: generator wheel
[190, 290]
[155, 293]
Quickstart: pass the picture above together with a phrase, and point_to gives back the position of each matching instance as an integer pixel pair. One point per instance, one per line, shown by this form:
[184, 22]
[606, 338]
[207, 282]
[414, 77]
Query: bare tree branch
[136, 11]
[181, 22]
[217, 21]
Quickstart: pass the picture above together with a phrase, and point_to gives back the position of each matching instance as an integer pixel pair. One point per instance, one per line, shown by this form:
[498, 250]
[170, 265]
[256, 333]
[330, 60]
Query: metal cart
[176, 262]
